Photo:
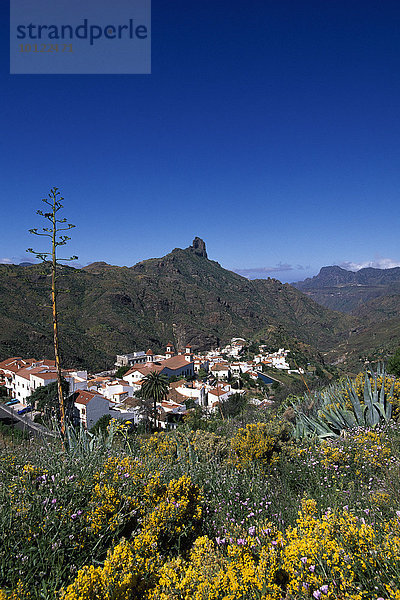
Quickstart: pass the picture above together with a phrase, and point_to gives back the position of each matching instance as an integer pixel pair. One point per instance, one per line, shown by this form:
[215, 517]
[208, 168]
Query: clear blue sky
[271, 129]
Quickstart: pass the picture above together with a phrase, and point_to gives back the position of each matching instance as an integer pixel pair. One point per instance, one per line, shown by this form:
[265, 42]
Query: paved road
[22, 422]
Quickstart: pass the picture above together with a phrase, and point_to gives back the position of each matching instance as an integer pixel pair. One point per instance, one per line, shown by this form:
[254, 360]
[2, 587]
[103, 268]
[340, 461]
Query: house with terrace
[117, 390]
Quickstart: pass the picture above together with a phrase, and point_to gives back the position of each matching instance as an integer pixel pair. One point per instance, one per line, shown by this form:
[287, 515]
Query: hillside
[183, 297]
[374, 342]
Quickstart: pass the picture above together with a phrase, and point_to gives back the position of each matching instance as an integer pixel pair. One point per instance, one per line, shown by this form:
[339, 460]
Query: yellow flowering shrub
[371, 447]
[20, 593]
[132, 566]
[162, 446]
[118, 579]
[173, 519]
[122, 490]
[333, 557]
[257, 443]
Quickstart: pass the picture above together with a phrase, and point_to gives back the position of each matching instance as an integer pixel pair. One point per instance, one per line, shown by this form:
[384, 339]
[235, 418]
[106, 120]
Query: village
[205, 379]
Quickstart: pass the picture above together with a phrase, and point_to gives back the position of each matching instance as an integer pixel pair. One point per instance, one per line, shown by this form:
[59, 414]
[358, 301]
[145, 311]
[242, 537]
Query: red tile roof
[48, 375]
[144, 369]
[84, 397]
[175, 362]
[176, 384]
[217, 392]
[220, 367]
[16, 363]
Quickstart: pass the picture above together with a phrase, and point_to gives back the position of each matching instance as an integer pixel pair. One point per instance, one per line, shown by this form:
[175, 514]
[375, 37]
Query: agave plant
[339, 408]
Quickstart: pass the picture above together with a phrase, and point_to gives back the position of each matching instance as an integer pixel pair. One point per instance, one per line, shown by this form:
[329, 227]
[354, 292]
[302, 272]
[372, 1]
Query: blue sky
[271, 129]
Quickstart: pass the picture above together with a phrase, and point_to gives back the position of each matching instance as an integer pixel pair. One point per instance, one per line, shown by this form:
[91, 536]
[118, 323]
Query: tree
[245, 380]
[50, 258]
[120, 372]
[156, 388]
[45, 398]
[101, 425]
[393, 364]
[234, 405]
[253, 348]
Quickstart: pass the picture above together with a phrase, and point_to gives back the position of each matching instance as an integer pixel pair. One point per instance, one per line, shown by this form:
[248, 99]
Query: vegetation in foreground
[234, 513]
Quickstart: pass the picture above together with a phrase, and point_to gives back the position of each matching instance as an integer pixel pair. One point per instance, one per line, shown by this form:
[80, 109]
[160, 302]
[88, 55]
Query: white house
[277, 360]
[195, 390]
[220, 393]
[180, 365]
[137, 373]
[89, 407]
[199, 362]
[117, 390]
[221, 369]
[42, 373]
[135, 358]
[8, 369]
[169, 414]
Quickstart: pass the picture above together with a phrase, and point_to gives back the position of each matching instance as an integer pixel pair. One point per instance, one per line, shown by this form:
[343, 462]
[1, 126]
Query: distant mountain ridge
[334, 276]
[184, 297]
[372, 296]
[347, 291]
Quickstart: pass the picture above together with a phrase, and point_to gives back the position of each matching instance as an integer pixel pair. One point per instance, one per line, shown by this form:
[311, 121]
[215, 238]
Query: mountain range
[183, 297]
[372, 297]
[186, 298]
[347, 291]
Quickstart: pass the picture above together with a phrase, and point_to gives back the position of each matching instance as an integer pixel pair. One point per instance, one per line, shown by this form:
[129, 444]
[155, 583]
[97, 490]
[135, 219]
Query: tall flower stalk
[57, 239]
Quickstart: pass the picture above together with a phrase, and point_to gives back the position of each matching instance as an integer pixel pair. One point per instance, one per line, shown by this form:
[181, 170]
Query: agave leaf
[381, 410]
[375, 394]
[358, 409]
[350, 419]
[339, 418]
[324, 436]
[389, 402]
[367, 391]
[319, 427]
[365, 415]
[331, 421]
[371, 415]
[382, 392]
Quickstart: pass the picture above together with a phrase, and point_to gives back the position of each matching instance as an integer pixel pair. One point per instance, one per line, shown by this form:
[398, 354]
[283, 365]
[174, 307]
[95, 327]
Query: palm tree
[156, 387]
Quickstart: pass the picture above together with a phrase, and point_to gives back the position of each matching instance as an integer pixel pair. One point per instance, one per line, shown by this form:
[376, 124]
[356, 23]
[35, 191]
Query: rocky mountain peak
[199, 247]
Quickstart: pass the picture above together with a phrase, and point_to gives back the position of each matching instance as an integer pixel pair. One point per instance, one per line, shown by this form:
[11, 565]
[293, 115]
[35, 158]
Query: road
[22, 422]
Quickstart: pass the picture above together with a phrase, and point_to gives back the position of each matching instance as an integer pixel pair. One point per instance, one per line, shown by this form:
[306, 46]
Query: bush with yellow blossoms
[258, 442]
[248, 515]
[333, 556]
[132, 567]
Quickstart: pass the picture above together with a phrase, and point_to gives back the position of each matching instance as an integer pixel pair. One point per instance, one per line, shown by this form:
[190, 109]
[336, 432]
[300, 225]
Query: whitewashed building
[89, 407]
